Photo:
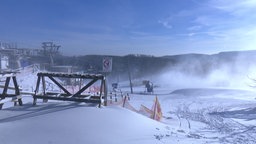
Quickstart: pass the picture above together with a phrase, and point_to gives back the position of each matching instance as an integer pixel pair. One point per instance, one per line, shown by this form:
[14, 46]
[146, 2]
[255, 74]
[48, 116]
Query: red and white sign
[107, 64]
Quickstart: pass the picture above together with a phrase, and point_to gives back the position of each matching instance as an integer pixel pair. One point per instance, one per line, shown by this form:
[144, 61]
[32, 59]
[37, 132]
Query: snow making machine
[64, 94]
[10, 89]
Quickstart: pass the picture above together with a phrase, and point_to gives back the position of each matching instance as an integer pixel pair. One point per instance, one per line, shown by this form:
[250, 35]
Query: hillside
[201, 66]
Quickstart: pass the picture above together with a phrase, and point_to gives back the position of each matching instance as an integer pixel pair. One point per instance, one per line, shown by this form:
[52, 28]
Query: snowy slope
[67, 123]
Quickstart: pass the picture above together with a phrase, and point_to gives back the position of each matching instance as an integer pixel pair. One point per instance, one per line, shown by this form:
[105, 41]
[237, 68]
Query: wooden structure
[65, 95]
[15, 96]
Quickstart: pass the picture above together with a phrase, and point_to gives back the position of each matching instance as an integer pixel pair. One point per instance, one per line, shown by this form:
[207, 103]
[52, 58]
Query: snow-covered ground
[190, 115]
[205, 115]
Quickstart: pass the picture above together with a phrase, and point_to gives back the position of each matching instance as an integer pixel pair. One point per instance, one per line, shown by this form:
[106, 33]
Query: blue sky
[120, 27]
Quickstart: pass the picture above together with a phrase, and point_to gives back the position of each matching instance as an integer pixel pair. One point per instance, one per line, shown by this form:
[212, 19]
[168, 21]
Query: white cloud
[165, 23]
[195, 28]
[235, 7]
[226, 24]
[203, 20]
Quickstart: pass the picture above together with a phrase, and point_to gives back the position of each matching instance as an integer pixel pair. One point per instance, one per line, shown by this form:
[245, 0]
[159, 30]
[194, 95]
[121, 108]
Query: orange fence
[154, 113]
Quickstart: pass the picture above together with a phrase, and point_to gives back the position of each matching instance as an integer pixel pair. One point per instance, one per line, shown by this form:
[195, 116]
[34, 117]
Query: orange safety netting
[155, 112]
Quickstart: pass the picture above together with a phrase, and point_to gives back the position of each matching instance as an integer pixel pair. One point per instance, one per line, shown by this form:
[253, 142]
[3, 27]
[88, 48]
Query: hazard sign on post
[107, 64]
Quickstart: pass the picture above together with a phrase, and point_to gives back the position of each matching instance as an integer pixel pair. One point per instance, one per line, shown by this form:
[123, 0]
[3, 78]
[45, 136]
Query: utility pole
[129, 74]
[130, 79]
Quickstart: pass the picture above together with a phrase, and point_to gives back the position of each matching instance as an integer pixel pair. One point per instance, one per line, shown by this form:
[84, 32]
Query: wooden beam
[37, 84]
[57, 94]
[4, 75]
[67, 96]
[59, 85]
[9, 87]
[44, 88]
[69, 99]
[43, 84]
[67, 75]
[7, 81]
[37, 89]
[17, 90]
[84, 88]
[7, 95]
[11, 98]
[16, 86]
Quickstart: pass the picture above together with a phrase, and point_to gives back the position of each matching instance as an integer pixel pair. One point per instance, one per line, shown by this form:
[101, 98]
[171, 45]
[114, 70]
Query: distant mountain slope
[144, 65]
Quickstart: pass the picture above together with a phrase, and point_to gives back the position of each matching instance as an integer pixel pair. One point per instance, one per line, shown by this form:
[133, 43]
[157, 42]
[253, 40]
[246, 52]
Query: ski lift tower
[50, 49]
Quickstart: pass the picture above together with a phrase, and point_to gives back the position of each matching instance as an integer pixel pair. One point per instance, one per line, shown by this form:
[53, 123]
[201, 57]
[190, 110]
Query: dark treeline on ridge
[143, 65]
